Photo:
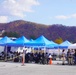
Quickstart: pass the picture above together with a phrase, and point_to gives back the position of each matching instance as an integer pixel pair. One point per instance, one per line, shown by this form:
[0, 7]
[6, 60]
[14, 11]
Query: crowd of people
[70, 57]
[41, 58]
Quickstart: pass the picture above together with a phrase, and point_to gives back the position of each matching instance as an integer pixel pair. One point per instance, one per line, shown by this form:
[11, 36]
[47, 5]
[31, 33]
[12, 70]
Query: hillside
[34, 30]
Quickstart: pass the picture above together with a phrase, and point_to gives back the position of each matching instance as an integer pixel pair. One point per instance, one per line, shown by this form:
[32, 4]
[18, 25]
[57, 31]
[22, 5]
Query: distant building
[13, 38]
[1, 32]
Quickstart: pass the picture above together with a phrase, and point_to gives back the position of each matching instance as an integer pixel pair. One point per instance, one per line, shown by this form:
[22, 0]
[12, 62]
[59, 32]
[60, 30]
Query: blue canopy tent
[65, 44]
[41, 42]
[7, 42]
[3, 42]
[54, 44]
[19, 42]
[31, 40]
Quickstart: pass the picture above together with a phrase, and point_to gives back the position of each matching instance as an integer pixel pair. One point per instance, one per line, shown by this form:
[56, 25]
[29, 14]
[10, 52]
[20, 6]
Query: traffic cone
[50, 61]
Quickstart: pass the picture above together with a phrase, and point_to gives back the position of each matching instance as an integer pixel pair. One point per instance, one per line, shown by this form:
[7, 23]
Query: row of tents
[39, 42]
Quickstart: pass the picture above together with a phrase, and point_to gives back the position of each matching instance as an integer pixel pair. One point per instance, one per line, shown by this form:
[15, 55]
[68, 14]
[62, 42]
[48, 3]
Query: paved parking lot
[10, 68]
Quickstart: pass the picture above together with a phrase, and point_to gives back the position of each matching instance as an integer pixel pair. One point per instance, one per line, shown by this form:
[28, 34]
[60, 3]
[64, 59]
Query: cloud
[73, 15]
[3, 19]
[16, 7]
[64, 17]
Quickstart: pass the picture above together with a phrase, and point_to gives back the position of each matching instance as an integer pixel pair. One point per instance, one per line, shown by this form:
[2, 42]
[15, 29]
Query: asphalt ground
[11, 68]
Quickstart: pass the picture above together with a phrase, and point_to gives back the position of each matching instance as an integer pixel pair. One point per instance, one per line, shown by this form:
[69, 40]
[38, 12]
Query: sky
[39, 11]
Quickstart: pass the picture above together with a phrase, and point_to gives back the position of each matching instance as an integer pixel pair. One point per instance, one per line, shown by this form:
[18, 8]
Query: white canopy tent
[72, 46]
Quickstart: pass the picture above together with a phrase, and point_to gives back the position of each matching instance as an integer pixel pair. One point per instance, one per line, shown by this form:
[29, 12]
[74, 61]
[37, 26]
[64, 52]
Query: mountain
[34, 30]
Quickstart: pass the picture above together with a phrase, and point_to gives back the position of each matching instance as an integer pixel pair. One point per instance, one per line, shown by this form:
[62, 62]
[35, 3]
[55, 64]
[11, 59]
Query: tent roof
[54, 44]
[72, 46]
[65, 44]
[42, 41]
[19, 42]
[22, 39]
[5, 40]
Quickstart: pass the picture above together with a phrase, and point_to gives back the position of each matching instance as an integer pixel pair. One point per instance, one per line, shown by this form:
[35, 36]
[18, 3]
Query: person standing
[63, 57]
[70, 56]
[75, 57]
